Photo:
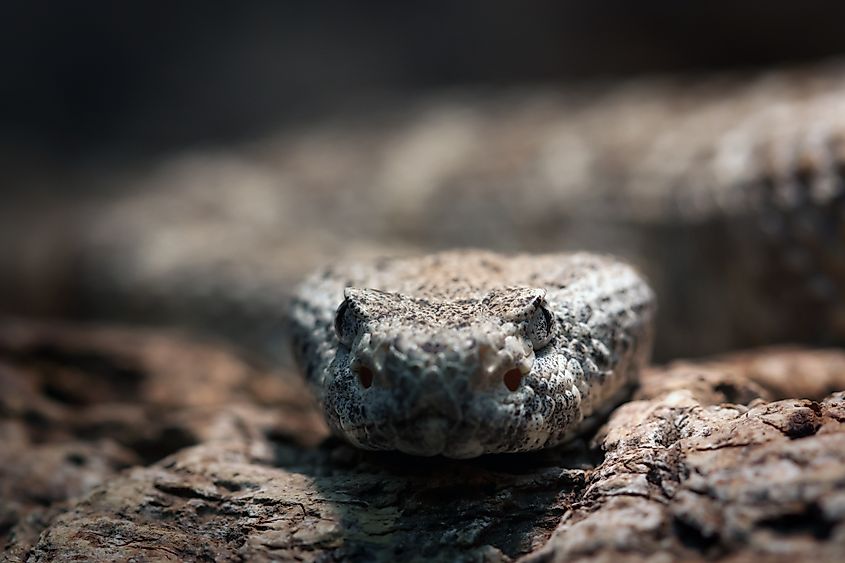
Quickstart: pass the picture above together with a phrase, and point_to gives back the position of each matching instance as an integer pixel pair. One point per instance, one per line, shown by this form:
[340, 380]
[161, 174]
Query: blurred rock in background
[122, 81]
[187, 164]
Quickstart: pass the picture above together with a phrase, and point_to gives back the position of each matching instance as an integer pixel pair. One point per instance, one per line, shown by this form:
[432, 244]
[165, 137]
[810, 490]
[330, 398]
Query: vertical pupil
[365, 377]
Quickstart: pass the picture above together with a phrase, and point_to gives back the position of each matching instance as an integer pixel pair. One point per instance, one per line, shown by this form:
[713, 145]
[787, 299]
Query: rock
[78, 405]
[686, 476]
[121, 445]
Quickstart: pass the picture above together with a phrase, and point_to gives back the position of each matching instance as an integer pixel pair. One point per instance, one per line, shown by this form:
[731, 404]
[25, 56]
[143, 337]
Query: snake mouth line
[401, 426]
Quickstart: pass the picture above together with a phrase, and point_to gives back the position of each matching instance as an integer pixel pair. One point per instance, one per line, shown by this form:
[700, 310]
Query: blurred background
[184, 164]
[143, 78]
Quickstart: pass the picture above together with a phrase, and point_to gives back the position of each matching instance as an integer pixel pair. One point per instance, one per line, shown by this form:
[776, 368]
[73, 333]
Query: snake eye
[346, 324]
[365, 376]
[541, 326]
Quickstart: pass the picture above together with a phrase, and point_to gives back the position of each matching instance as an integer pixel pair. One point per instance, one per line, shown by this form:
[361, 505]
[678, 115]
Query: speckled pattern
[727, 190]
[468, 352]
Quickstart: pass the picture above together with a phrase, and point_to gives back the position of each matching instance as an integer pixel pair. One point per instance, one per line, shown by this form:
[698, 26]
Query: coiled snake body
[466, 353]
[727, 191]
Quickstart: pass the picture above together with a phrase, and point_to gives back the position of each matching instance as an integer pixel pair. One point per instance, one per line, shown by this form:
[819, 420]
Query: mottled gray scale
[470, 352]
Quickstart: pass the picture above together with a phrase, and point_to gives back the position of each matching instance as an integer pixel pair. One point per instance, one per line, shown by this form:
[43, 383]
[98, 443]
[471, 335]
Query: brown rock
[120, 445]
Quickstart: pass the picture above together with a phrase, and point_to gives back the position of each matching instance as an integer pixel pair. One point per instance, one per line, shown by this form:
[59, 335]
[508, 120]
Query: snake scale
[727, 191]
[467, 353]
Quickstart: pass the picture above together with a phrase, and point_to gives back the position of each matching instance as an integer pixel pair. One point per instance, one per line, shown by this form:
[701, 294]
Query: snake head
[419, 365]
[467, 353]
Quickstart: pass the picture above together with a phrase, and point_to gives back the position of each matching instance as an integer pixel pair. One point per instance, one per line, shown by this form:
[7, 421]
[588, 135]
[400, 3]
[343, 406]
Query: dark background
[87, 81]
[97, 96]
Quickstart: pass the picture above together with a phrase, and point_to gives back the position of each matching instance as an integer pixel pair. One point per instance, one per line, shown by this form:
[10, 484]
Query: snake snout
[434, 373]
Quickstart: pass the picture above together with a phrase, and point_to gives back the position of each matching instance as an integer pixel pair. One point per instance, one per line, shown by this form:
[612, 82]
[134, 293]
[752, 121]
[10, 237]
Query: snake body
[726, 190]
[470, 352]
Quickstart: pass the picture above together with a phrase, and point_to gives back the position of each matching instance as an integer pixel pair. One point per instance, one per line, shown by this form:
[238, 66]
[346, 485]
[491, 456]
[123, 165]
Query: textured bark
[118, 445]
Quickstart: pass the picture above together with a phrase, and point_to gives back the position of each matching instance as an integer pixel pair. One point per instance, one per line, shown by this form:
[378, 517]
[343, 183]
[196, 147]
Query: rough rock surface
[121, 445]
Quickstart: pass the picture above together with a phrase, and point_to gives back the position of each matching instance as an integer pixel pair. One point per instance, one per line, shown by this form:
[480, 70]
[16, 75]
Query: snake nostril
[365, 376]
[512, 379]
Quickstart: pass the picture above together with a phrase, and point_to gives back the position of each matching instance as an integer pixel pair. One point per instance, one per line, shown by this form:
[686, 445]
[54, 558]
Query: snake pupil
[365, 376]
[512, 379]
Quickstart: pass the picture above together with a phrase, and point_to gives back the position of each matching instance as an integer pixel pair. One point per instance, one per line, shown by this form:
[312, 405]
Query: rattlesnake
[467, 353]
[726, 191]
